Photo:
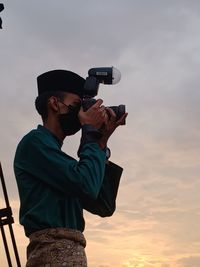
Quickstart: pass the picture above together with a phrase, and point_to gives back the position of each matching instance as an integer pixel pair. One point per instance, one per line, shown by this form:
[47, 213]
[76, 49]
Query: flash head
[105, 75]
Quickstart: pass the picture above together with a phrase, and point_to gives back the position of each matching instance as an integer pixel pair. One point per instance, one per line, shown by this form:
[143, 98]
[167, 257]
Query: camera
[105, 75]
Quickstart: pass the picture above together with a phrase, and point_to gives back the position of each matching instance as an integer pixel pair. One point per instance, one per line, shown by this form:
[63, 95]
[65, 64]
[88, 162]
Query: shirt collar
[44, 129]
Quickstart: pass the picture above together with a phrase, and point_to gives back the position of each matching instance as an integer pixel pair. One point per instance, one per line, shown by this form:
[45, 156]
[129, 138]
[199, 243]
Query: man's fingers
[112, 117]
[98, 103]
[122, 120]
[112, 114]
[81, 110]
[102, 108]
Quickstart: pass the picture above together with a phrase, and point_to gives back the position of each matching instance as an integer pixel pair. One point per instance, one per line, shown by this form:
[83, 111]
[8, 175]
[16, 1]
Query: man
[54, 188]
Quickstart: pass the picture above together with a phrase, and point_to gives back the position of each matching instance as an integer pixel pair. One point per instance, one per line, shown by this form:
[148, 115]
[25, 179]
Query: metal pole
[9, 221]
[6, 246]
[14, 245]
[4, 187]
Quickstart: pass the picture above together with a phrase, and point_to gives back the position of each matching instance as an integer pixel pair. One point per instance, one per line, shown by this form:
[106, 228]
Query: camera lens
[119, 110]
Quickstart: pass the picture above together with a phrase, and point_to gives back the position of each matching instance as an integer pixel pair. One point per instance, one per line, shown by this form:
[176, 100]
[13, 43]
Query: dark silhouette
[1, 8]
[54, 187]
[6, 218]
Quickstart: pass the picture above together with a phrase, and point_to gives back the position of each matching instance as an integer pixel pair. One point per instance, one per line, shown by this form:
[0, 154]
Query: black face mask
[69, 121]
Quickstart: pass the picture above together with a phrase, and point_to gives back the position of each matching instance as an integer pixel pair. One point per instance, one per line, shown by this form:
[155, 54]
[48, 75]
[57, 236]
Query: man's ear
[53, 104]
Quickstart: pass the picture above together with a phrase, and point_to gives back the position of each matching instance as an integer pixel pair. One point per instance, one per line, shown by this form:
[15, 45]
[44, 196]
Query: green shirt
[54, 188]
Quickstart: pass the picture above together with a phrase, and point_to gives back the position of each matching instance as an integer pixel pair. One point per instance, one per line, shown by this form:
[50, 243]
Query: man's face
[66, 110]
[69, 99]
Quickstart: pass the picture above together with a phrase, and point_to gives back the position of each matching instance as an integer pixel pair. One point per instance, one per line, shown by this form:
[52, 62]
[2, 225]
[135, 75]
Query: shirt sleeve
[105, 203]
[52, 166]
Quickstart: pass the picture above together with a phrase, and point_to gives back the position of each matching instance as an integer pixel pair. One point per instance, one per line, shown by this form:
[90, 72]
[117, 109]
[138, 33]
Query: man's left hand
[110, 126]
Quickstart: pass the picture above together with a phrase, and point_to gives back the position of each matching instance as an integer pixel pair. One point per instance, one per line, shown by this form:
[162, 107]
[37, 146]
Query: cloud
[192, 261]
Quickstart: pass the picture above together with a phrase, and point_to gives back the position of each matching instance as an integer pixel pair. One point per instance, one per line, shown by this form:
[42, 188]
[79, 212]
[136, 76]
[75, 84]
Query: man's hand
[109, 126]
[95, 116]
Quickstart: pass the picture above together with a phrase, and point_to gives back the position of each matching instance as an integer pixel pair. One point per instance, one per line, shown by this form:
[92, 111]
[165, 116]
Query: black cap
[61, 80]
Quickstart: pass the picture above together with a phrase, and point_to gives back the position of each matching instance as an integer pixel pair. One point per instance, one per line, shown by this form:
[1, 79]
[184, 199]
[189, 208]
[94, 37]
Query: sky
[156, 46]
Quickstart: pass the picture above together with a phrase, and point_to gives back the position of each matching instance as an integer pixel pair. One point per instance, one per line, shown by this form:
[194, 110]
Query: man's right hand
[95, 116]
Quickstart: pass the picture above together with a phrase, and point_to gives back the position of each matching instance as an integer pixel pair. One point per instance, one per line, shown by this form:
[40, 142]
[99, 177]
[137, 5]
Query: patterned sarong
[56, 247]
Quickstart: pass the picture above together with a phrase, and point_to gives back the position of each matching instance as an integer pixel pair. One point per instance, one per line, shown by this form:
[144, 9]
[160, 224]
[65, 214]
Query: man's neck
[54, 127]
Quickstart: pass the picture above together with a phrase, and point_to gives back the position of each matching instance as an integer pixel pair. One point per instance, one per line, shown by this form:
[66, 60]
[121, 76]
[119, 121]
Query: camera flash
[116, 75]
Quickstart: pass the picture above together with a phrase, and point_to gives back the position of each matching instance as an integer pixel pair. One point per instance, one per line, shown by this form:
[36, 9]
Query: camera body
[105, 75]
